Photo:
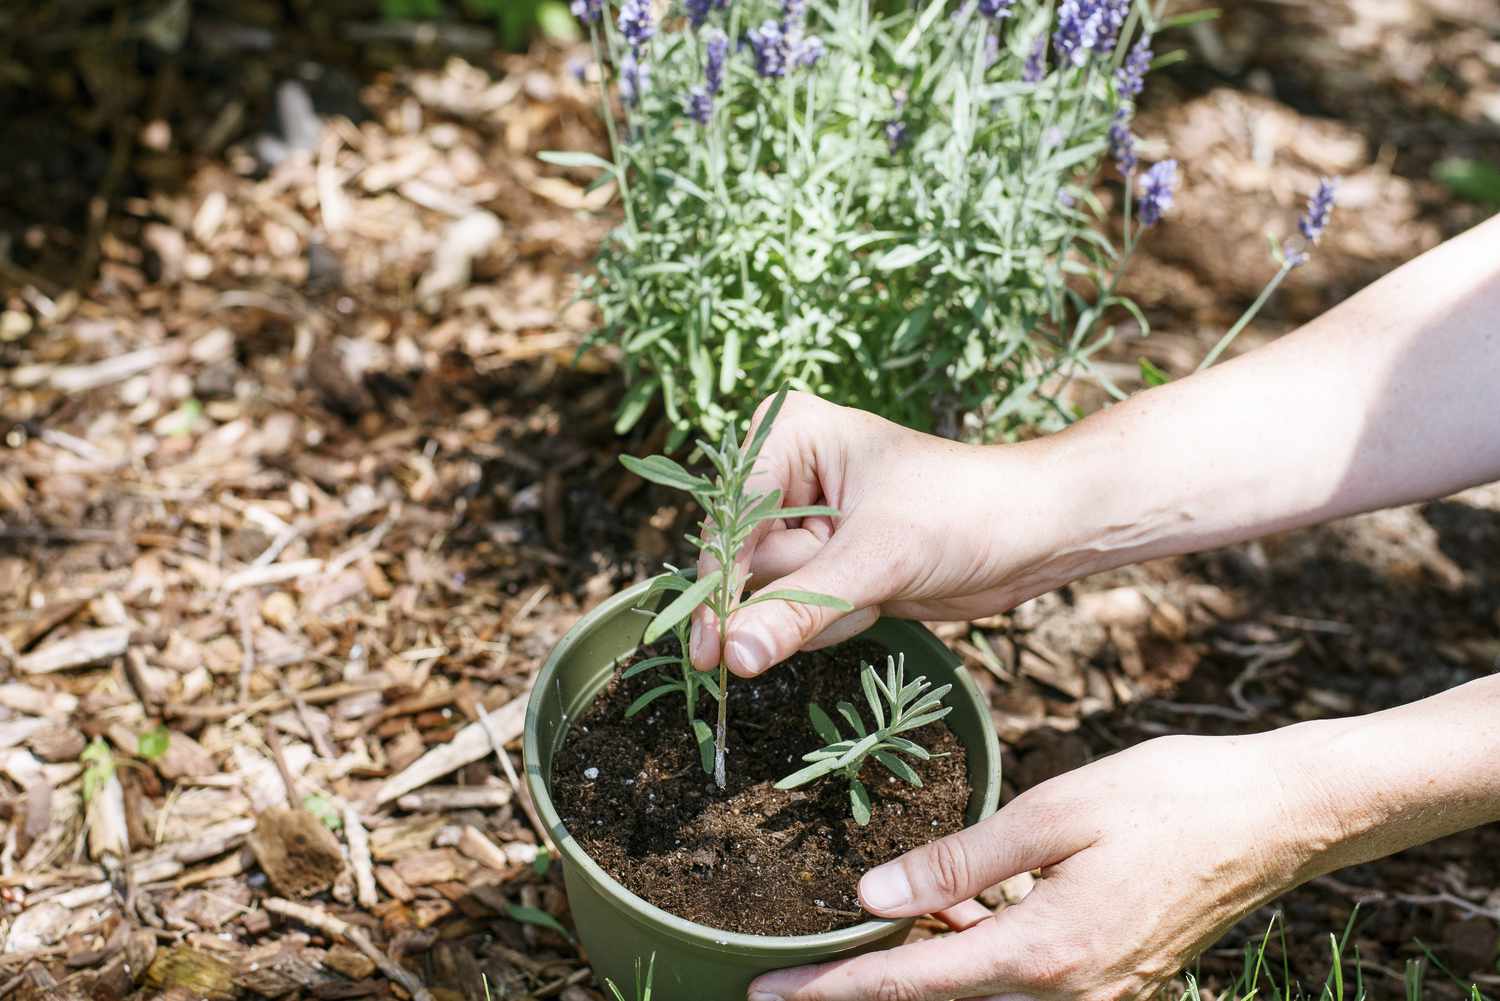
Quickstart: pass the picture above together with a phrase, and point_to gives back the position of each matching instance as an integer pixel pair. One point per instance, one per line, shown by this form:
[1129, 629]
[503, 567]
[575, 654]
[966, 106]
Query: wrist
[1368, 786]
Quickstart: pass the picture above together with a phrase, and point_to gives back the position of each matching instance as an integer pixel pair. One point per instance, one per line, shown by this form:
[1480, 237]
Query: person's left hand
[1147, 857]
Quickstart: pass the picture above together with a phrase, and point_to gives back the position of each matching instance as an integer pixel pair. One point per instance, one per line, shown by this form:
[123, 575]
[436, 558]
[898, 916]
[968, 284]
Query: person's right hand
[928, 529]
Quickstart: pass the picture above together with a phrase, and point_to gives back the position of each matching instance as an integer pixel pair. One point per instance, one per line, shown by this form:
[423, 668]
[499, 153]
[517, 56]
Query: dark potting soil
[749, 858]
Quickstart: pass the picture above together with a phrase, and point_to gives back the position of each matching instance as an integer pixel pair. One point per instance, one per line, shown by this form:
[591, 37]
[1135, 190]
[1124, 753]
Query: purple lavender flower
[1319, 210]
[895, 134]
[996, 9]
[1036, 61]
[793, 11]
[716, 44]
[808, 51]
[1130, 78]
[578, 69]
[635, 22]
[697, 11]
[587, 11]
[1158, 189]
[1086, 27]
[1122, 143]
[699, 105]
[769, 44]
[635, 77]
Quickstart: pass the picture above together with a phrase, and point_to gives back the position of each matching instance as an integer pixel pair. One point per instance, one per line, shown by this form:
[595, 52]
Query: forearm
[1391, 397]
[1365, 787]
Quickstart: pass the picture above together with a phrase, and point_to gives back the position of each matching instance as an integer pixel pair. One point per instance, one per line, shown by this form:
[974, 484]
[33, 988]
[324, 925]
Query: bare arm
[1391, 397]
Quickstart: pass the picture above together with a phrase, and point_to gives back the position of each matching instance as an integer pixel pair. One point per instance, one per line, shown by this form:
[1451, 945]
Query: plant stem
[1246, 317]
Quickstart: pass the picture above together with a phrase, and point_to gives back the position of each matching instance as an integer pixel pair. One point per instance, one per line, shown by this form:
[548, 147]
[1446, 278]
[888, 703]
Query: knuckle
[894, 986]
[950, 868]
[805, 620]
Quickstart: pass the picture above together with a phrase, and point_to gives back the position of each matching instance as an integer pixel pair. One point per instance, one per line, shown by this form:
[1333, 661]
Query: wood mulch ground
[298, 490]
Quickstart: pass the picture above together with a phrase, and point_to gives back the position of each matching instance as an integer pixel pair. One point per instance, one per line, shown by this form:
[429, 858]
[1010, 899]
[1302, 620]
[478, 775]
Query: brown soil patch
[750, 858]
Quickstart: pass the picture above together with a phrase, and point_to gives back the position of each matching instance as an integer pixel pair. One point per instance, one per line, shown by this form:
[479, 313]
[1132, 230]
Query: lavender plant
[731, 514]
[891, 208]
[897, 706]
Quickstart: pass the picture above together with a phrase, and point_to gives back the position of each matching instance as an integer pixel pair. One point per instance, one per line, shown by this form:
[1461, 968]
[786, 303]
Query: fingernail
[885, 889]
[748, 654]
[763, 996]
[696, 645]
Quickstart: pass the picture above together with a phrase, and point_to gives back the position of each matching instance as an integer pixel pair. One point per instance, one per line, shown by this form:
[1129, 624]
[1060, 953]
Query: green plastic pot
[617, 928]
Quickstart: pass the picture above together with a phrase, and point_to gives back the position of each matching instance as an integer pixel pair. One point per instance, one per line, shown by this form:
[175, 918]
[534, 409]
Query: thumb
[764, 632]
[937, 876]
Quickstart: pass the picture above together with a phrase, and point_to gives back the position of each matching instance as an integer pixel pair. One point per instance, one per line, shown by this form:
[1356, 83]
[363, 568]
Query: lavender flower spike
[1086, 27]
[769, 44]
[587, 11]
[697, 11]
[636, 23]
[716, 45]
[895, 134]
[1319, 209]
[1158, 189]
[1036, 61]
[996, 9]
[808, 51]
[1130, 78]
[635, 77]
[699, 105]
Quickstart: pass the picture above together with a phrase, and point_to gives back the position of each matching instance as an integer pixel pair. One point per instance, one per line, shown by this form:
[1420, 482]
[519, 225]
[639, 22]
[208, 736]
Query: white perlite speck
[591, 773]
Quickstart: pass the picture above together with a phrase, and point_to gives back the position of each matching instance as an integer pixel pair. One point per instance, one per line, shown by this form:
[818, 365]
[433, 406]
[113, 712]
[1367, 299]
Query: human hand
[1147, 857]
[928, 529]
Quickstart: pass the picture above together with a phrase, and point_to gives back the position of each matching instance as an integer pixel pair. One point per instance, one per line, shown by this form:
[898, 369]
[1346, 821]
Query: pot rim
[703, 936]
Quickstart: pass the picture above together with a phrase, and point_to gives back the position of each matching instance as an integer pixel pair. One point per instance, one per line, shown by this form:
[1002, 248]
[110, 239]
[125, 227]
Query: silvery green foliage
[897, 706]
[731, 514]
[887, 204]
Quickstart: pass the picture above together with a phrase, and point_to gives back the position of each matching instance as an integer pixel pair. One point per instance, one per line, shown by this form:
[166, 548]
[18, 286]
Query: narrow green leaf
[682, 606]
[803, 776]
[812, 511]
[567, 158]
[543, 860]
[1190, 17]
[1151, 375]
[538, 917]
[763, 429]
[859, 802]
[705, 738]
[872, 696]
[651, 696]
[908, 747]
[801, 598]
[851, 714]
[708, 681]
[637, 398]
[921, 721]
[898, 768]
[660, 469]
[822, 724]
[729, 365]
[904, 256]
[645, 666]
